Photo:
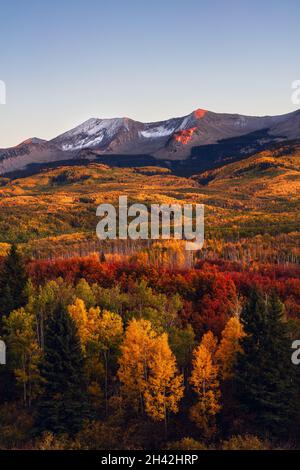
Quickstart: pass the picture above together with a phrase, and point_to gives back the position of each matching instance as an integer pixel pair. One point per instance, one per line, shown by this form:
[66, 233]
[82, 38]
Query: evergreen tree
[62, 407]
[13, 281]
[264, 374]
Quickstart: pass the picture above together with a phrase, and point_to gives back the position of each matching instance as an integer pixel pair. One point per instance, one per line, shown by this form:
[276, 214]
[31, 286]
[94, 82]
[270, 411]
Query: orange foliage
[184, 136]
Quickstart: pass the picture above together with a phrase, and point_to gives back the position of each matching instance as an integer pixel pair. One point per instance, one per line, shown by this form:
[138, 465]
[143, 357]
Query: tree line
[85, 357]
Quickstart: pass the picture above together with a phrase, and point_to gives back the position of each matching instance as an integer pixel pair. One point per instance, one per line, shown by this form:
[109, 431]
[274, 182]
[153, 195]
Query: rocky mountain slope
[202, 139]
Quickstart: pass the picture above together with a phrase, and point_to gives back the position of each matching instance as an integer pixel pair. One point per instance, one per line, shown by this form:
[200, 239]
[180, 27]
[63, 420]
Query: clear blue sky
[65, 61]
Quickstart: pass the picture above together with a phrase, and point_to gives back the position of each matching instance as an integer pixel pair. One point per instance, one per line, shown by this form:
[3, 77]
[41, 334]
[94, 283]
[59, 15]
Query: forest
[142, 344]
[120, 353]
[149, 232]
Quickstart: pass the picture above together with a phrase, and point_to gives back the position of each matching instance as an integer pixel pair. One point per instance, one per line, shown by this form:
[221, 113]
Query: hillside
[273, 173]
[258, 195]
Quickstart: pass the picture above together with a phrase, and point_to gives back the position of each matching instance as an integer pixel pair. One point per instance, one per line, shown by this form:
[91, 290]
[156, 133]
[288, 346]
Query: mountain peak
[175, 139]
[200, 113]
[33, 141]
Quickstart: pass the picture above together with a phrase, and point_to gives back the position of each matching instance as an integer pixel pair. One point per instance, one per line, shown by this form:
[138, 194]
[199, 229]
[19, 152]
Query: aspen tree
[164, 388]
[205, 383]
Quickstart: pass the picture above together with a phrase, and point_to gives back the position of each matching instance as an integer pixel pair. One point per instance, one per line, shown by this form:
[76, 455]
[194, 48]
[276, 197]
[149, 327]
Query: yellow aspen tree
[229, 347]
[164, 388]
[93, 324]
[25, 353]
[109, 328]
[87, 324]
[99, 333]
[135, 353]
[80, 315]
[94, 366]
[210, 342]
[205, 383]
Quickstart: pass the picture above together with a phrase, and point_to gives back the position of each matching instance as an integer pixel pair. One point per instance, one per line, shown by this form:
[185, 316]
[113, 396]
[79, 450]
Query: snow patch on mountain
[241, 122]
[90, 134]
[168, 140]
[155, 132]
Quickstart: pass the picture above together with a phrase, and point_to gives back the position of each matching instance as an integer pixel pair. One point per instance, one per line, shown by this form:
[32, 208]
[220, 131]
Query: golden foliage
[86, 321]
[148, 371]
[99, 333]
[133, 371]
[165, 386]
[210, 342]
[205, 383]
[229, 347]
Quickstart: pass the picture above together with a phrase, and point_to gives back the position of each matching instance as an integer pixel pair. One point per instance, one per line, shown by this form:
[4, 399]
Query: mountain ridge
[170, 140]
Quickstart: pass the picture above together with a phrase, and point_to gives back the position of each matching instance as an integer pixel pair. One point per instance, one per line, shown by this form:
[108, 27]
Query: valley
[254, 197]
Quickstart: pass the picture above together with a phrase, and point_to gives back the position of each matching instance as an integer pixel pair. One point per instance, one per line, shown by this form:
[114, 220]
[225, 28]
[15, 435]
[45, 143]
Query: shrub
[246, 442]
[187, 443]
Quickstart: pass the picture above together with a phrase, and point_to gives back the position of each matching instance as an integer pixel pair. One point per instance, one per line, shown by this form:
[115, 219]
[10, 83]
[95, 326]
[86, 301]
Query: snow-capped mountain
[121, 135]
[93, 133]
[171, 140]
[30, 152]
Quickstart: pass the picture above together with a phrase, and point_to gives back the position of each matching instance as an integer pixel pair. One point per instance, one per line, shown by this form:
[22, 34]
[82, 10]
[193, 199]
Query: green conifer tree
[13, 281]
[62, 407]
[265, 377]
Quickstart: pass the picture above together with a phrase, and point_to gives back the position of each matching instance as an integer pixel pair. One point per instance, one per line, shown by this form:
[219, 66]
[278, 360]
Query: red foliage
[210, 291]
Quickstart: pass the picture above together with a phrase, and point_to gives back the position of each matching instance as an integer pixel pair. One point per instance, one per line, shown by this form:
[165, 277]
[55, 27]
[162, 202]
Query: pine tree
[109, 333]
[264, 373]
[62, 407]
[13, 281]
[182, 342]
